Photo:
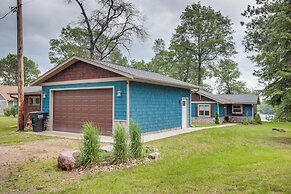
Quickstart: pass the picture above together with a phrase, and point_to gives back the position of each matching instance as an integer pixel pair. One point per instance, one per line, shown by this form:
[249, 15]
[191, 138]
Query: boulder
[67, 160]
[154, 155]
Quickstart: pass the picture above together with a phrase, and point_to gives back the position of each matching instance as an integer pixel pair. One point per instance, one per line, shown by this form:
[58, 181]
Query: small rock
[67, 160]
[279, 130]
[154, 155]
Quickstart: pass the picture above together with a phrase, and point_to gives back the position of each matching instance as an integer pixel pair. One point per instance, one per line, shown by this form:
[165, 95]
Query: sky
[43, 20]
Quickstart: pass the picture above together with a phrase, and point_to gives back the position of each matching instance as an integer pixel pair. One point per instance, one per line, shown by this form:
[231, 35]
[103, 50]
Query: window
[34, 100]
[237, 109]
[204, 110]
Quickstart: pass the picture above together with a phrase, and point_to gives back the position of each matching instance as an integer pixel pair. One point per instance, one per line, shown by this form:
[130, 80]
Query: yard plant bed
[233, 159]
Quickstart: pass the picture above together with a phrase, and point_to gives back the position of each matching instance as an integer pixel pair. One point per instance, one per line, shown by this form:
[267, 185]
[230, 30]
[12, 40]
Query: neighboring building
[32, 100]
[80, 90]
[230, 107]
[5, 99]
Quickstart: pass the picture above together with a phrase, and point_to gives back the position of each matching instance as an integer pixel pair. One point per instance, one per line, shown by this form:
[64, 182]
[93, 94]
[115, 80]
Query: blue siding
[120, 101]
[221, 110]
[156, 107]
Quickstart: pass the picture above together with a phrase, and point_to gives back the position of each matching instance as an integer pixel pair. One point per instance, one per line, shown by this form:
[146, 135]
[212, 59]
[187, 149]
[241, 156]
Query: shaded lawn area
[8, 133]
[234, 159]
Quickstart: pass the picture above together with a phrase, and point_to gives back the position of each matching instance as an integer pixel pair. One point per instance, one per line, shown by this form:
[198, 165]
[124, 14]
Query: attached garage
[71, 108]
[81, 90]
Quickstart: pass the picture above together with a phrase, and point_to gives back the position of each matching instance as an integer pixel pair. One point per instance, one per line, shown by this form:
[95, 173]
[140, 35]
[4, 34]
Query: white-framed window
[237, 109]
[34, 100]
[204, 110]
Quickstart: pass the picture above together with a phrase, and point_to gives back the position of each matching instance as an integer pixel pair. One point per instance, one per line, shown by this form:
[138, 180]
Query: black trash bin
[38, 120]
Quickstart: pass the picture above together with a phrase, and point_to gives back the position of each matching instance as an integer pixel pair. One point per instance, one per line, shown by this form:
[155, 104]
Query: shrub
[216, 118]
[244, 121]
[120, 144]
[135, 140]
[7, 112]
[14, 110]
[90, 148]
[252, 122]
[258, 119]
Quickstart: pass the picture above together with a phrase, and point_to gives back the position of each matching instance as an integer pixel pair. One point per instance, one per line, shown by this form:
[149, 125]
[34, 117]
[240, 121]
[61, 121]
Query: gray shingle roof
[146, 75]
[29, 90]
[131, 73]
[232, 98]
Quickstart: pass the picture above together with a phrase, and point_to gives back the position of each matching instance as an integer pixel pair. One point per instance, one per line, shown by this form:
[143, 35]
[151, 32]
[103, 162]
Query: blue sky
[43, 21]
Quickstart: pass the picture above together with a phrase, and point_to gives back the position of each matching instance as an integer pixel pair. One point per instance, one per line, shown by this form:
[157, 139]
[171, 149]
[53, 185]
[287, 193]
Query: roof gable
[81, 70]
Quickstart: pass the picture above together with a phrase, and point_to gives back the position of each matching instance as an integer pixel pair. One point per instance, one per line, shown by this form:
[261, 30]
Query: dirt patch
[41, 149]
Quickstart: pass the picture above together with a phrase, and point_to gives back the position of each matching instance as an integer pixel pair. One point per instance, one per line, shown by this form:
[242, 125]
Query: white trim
[201, 102]
[237, 113]
[184, 99]
[218, 110]
[81, 88]
[127, 103]
[190, 114]
[84, 81]
[204, 111]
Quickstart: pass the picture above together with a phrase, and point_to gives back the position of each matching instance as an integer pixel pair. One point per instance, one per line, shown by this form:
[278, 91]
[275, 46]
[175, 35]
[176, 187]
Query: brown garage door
[71, 108]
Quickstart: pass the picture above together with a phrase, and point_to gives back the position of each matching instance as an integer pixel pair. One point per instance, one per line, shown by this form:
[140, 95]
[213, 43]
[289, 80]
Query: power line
[12, 10]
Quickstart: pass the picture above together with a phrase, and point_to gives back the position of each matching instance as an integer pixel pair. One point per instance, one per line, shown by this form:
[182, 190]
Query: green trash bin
[38, 120]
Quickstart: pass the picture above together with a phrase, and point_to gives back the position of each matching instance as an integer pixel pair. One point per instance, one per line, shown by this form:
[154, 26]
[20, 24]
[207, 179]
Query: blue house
[81, 90]
[230, 107]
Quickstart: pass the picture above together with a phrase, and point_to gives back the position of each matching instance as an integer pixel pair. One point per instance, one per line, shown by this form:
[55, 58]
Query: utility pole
[20, 67]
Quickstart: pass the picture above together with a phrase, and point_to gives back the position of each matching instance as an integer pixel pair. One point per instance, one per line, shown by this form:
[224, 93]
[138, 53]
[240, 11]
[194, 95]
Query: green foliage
[268, 39]
[90, 148]
[265, 108]
[203, 36]
[136, 145]
[120, 144]
[216, 118]
[252, 122]
[7, 112]
[244, 121]
[73, 41]
[258, 119]
[9, 70]
[227, 76]
[14, 110]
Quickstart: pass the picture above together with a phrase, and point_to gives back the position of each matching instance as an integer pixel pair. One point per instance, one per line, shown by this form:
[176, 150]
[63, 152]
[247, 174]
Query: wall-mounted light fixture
[119, 93]
[43, 95]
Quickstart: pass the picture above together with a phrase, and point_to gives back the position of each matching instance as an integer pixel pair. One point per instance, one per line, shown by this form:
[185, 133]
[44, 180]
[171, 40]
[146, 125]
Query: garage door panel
[74, 107]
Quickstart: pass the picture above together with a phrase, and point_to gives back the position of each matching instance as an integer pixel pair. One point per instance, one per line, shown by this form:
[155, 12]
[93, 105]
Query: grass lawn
[8, 133]
[234, 159]
[203, 124]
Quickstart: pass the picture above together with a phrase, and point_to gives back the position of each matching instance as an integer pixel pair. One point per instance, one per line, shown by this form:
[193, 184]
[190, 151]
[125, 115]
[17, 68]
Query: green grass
[203, 124]
[9, 134]
[234, 159]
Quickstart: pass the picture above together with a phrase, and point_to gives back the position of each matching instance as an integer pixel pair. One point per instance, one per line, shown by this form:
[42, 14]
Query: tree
[73, 41]
[268, 39]
[113, 24]
[227, 75]
[9, 70]
[203, 36]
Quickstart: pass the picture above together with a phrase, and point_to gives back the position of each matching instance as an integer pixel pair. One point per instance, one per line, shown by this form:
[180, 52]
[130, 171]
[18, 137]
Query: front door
[184, 113]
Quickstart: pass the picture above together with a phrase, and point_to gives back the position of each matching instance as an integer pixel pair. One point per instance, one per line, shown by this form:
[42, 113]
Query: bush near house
[216, 118]
[120, 144]
[7, 112]
[258, 119]
[244, 121]
[12, 110]
[135, 140]
[90, 148]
